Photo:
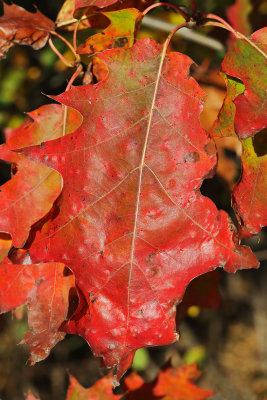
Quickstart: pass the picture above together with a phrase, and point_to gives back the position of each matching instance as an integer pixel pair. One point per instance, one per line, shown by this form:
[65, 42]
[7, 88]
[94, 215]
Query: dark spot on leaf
[120, 42]
[192, 157]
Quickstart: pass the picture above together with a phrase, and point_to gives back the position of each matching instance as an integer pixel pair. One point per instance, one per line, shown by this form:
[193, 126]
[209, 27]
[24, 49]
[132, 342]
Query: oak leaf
[246, 63]
[120, 32]
[249, 194]
[65, 17]
[177, 384]
[238, 16]
[90, 14]
[131, 222]
[244, 113]
[18, 26]
[45, 288]
[101, 390]
[89, 7]
[224, 125]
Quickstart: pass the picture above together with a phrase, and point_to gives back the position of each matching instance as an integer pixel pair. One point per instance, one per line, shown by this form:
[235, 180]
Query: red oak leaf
[92, 10]
[131, 222]
[34, 187]
[88, 7]
[245, 62]
[238, 16]
[244, 113]
[176, 384]
[224, 125]
[101, 390]
[18, 26]
[249, 194]
[45, 288]
[137, 389]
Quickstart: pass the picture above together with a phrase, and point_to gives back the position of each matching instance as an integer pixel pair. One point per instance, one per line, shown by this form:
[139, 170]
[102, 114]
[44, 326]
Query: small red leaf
[245, 62]
[137, 389]
[18, 26]
[45, 289]
[101, 390]
[249, 194]
[238, 16]
[244, 113]
[94, 12]
[224, 125]
[177, 384]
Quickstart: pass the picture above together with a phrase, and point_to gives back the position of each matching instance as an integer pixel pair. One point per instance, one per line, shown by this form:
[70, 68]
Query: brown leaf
[18, 26]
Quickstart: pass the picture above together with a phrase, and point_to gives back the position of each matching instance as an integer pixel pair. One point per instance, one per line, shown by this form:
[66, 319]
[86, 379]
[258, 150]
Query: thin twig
[75, 35]
[70, 21]
[60, 56]
[223, 24]
[77, 57]
[185, 33]
[74, 76]
[176, 8]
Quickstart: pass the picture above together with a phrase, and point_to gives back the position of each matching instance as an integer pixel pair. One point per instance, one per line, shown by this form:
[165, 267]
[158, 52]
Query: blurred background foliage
[229, 343]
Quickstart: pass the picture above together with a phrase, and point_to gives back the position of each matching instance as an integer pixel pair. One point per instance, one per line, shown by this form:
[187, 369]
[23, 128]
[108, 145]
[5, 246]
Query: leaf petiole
[176, 8]
[60, 56]
[77, 57]
[223, 24]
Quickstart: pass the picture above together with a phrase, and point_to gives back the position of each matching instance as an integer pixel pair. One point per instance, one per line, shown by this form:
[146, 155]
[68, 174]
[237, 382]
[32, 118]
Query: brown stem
[176, 8]
[74, 76]
[167, 42]
[193, 6]
[70, 21]
[75, 35]
[223, 24]
[60, 56]
[77, 57]
[217, 24]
